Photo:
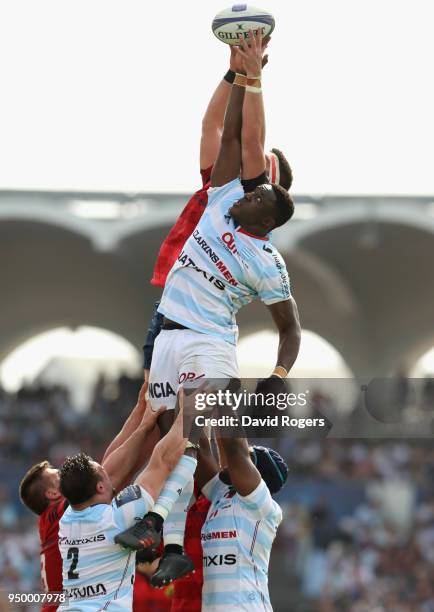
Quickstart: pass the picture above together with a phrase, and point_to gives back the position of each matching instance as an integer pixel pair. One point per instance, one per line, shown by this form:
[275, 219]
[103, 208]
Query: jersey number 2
[73, 554]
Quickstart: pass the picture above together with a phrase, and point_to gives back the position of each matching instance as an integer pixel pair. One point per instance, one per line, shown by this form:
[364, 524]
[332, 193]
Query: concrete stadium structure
[361, 269]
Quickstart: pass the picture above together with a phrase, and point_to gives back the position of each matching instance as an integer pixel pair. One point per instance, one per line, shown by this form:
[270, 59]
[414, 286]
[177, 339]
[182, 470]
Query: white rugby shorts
[183, 356]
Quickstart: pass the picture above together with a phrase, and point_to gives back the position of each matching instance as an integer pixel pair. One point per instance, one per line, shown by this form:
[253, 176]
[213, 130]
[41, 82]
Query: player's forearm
[253, 134]
[289, 346]
[234, 448]
[123, 459]
[234, 114]
[253, 130]
[244, 476]
[287, 322]
[170, 448]
[143, 456]
[212, 125]
[215, 112]
[227, 166]
[207, 466]
[130, 425]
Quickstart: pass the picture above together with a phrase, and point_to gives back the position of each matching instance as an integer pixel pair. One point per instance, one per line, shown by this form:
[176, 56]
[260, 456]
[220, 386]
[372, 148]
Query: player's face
[52, 475]
[256, 207]
[52, 479]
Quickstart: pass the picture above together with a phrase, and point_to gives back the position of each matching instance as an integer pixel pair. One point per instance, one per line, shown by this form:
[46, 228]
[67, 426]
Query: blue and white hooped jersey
[220, 269]
[237, 537]
[97, 573]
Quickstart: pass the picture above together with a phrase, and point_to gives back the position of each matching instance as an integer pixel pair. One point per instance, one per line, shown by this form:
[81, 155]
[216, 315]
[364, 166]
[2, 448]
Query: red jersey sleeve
[206, 175]
[181, 231]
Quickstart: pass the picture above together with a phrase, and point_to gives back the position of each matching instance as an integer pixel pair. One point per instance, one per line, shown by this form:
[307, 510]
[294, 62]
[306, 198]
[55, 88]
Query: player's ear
[100, 488]
[52, 493]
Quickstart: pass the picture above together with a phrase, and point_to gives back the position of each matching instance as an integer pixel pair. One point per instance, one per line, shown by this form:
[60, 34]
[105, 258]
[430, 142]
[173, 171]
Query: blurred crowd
[362, 539]
[358, 529]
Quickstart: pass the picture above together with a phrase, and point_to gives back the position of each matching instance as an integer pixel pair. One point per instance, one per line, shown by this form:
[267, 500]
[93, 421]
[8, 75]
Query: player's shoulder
[91, 514]
[130, 494]
[269, 252]
[53, 513]
[133, 495]
[266, 257]
[215, 488]
[260, 502]
[272, 260]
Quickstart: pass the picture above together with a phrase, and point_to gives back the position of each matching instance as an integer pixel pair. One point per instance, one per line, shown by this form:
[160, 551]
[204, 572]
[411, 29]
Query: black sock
[174, 548]
[158, 520]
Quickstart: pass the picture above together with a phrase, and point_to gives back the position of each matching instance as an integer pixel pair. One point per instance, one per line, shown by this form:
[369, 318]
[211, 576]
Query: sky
[109, 95]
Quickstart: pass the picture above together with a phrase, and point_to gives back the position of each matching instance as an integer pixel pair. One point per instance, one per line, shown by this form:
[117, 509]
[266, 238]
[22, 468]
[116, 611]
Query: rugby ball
[235, 22]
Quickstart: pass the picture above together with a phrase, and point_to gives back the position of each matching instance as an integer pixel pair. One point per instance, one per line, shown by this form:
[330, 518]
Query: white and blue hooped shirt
[222, 268]
[237, 537]
[97, 573]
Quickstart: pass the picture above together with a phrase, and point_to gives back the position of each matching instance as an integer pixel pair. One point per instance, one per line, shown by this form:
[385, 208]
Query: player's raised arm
[212, 122]
[228, 163]
[253, 130]
[244, 475]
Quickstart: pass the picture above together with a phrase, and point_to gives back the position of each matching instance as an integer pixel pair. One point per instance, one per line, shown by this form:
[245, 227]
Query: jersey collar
[240, 230]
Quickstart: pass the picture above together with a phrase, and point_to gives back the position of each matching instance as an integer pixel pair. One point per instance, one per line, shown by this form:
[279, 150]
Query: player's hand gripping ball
[235, 22]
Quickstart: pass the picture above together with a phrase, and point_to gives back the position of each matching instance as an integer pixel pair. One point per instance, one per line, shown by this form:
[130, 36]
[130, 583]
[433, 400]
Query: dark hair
[33, 486]
[78, 478]
[285, 171]
[284, 207]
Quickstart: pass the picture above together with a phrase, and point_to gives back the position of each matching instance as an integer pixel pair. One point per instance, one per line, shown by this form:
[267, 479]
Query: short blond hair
[33, 487]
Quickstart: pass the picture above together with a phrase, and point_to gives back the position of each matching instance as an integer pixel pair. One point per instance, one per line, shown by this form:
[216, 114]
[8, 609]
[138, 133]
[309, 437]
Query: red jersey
[146, 598]
[182, 230]
[188, 590]
[51, 561]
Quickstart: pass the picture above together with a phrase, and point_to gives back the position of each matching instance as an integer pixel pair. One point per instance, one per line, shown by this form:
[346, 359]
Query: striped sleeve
[213, 488]
[272, 281]
[129, 505]
[259, 502]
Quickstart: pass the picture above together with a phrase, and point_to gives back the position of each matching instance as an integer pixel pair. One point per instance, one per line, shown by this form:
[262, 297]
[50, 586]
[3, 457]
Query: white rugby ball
[235, 22]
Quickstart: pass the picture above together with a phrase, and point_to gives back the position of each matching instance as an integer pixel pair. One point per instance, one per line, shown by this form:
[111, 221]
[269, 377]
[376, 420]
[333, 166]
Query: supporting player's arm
[244, 475]
[122, 462]
[207, 466]
[165, 456]
[286, 319]
[130, 424]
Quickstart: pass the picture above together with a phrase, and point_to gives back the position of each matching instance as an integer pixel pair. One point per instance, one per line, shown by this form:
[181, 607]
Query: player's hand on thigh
[150, 417]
